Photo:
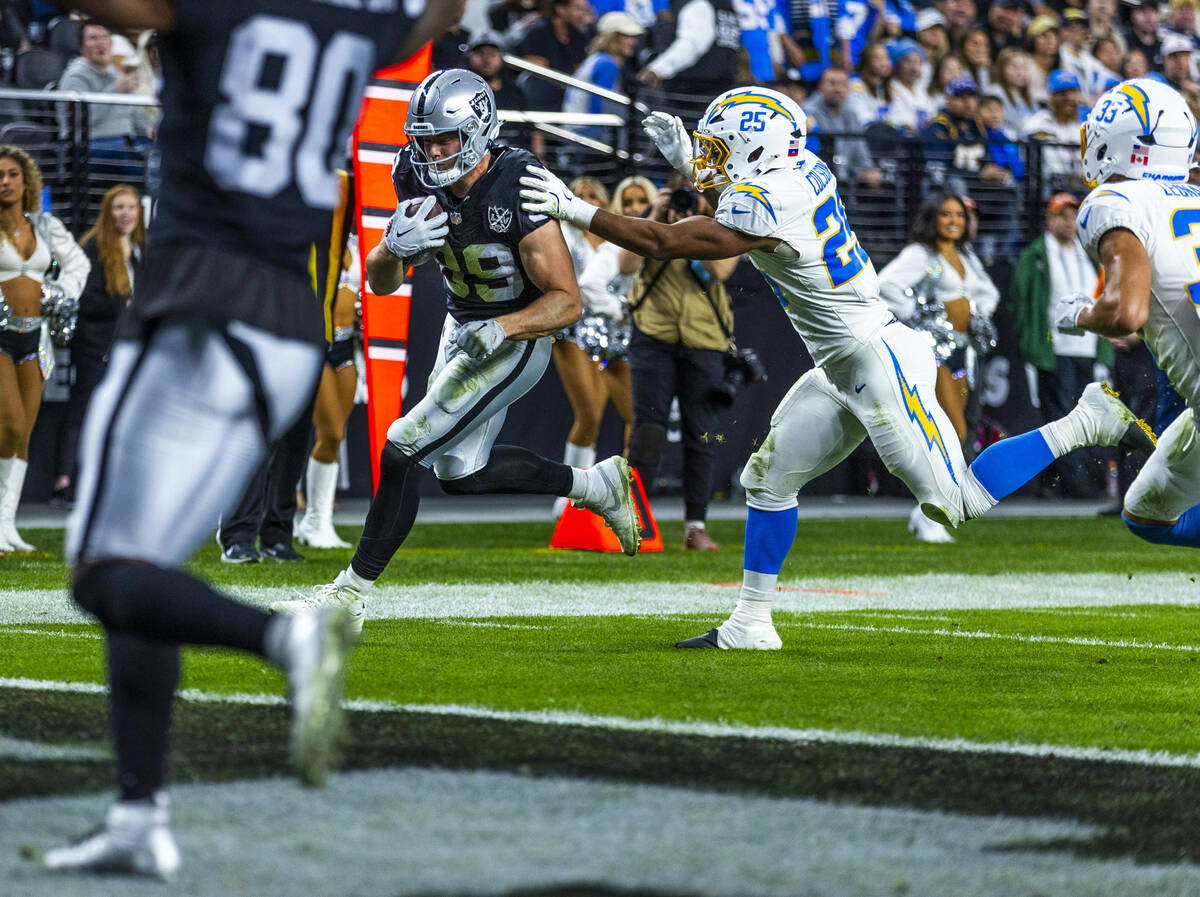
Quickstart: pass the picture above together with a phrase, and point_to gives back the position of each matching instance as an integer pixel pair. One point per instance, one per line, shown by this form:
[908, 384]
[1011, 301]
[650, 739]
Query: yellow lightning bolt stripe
[758, 194]
[760, 99]
[1140, 103]
[917, 413]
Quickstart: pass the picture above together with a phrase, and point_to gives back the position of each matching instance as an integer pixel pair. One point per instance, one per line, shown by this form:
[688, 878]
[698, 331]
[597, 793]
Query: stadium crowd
[978, 102]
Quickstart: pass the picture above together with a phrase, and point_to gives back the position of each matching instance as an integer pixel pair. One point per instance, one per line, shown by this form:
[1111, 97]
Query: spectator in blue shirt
[759, 19]
[614, 44]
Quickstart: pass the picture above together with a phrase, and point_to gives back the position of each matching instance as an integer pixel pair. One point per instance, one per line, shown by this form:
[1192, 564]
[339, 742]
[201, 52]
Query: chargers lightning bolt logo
[1139, 102]
[918, 415]
[758, 99]
[759, 195]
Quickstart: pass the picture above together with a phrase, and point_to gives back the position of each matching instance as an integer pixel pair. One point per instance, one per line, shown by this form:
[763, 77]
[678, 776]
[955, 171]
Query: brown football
[434, 210]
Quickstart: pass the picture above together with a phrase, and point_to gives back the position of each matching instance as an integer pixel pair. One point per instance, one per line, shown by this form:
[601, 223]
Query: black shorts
[20, 347]
[340, 354]
[219, 286]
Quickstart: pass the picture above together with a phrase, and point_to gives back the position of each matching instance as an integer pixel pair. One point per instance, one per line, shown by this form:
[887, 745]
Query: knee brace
[645, 444]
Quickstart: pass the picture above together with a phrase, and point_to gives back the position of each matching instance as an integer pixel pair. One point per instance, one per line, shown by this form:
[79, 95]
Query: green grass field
[1043, 670]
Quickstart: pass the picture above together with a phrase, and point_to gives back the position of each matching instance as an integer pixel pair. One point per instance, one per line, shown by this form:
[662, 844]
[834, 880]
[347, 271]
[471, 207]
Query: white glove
[671, 138]
[1066, 313]
[546, 194]
[410, 234]
[479, 339]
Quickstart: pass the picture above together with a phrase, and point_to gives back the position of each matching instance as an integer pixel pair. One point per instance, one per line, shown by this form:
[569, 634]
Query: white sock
[696, 524]
[755, 600]
[580, 485]
[352, 580]
[1063, 435]
[579, 455]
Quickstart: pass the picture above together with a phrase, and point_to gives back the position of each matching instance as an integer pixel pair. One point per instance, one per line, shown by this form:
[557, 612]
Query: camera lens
[682, 200]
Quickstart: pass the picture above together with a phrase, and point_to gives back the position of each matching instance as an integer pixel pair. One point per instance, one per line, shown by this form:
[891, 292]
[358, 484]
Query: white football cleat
[1106, 421]
[316, 646]
[730, 635]
[134, 839]
[927, 530]
[327, 596]
[610, 494]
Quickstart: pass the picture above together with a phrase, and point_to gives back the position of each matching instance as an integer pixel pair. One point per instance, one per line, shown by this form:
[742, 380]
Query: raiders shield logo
[480, 106]
[499, 219]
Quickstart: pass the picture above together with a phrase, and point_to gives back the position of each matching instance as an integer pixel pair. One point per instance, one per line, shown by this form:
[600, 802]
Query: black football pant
[267, 510]
[660, 372]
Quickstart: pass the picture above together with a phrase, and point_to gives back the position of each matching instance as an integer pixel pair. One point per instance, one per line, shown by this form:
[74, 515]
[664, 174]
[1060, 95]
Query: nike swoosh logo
[1084, 220]
[741, 211]
[860, 388]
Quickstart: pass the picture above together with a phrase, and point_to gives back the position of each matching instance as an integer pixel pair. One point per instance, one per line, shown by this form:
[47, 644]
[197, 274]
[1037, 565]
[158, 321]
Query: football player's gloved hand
[479, 339]
[671, 138]
[1066, 313]
[410, 234]
[546, 194]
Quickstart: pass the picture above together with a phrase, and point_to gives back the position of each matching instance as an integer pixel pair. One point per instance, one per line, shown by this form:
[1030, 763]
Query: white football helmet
[746, 132]
[1142, 128]
[446, 101]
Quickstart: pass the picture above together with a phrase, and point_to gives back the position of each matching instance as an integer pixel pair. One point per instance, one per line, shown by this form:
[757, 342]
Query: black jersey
[259, 98]
[481, 264]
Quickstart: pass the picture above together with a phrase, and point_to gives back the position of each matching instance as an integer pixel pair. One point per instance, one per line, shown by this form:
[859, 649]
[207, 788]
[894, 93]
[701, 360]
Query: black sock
[513, 470]
[142, 675]
[392, 513]
[167, 606]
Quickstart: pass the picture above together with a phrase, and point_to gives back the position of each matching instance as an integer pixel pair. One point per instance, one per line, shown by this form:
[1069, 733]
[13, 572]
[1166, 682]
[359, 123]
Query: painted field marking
[58, 633]
[1015, 637]
[672, 727]
[811, 591]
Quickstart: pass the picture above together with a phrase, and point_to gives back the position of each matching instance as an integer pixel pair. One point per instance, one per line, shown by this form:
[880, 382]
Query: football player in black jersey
[509, 284]
[217, 356]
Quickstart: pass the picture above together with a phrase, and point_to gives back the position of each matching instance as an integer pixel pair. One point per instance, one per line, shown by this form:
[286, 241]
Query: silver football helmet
[448, 101]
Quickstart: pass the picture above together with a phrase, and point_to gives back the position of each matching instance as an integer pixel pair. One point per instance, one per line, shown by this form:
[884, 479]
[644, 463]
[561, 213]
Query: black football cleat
[281, 551]
[708, 640]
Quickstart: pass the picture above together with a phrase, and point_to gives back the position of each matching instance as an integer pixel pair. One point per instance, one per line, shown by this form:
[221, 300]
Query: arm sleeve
[901, 273]
[695, 31]
[73, 264]
[1108, 208]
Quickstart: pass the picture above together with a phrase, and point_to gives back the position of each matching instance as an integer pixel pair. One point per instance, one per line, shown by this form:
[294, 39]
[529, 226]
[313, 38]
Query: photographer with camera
[682, 335]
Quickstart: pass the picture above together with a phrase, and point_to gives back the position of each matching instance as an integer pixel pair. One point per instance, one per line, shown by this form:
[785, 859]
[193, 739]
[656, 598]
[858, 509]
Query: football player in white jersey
[1142, 222]
[874, 376]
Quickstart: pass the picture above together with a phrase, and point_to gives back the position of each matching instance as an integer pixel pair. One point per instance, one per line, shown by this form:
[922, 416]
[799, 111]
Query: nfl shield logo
[456, 217]
[499, 219]
[1140, 155]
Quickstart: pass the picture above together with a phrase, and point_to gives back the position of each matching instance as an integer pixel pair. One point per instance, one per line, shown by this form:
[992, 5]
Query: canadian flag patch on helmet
[1140, 155]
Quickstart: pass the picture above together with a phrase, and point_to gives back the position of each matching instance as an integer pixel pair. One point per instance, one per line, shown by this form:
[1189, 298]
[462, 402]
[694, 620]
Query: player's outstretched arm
[547, 261]
[437, 17]
[1124, 304]
[156, 14]
[699, 237]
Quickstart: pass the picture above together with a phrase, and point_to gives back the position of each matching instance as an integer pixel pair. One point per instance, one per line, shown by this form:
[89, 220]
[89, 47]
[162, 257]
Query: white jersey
[1165, 217]
[822, 277]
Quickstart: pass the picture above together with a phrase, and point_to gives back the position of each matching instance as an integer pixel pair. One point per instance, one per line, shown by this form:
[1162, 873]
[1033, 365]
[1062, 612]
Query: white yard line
[672, 727]
[545, 599]
[1007, 636]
